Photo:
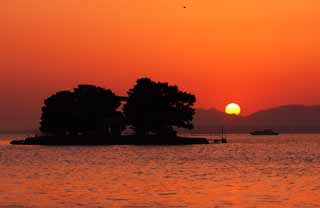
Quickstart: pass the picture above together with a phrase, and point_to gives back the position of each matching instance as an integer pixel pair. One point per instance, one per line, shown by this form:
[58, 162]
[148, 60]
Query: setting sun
[233, 109]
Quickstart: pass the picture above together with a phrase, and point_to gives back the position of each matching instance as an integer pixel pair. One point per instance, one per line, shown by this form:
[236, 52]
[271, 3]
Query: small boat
[264, 132]
[222, 139]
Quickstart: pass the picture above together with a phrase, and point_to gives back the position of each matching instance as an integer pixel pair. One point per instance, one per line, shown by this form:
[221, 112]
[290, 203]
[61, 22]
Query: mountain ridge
[284, 119]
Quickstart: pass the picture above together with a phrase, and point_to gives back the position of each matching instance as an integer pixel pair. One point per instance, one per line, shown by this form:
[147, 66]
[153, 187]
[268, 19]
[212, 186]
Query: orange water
[274, 171]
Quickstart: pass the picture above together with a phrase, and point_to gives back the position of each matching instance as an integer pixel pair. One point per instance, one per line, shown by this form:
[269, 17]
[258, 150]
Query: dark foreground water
[272, 171]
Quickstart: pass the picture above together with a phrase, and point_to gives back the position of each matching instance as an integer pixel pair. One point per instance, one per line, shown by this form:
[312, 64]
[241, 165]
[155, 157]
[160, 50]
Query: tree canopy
[84, 110]
[151, 108]
[158, 108]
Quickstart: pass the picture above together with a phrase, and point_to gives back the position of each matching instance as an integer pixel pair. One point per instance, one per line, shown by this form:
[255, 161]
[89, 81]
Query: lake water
[266, 171]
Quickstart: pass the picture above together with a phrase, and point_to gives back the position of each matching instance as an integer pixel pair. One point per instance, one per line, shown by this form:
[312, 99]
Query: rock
[102, 140]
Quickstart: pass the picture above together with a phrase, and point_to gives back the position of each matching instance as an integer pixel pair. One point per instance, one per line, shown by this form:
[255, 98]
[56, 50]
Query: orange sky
[259, 54]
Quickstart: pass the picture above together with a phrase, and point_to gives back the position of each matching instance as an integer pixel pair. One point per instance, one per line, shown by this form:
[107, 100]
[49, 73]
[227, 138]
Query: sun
[233, 109]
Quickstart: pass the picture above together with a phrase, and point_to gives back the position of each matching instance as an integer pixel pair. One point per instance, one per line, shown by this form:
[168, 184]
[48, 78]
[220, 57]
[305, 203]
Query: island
[90, 115]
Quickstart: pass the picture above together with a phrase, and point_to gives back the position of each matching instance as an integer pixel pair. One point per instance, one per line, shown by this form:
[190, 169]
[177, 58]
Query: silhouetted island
[89, 115]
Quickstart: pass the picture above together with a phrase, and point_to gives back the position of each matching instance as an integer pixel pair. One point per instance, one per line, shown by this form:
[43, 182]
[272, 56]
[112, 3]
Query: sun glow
[233, 109]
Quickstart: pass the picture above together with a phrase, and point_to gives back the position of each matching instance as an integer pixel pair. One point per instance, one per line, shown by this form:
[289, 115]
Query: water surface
[267, 171]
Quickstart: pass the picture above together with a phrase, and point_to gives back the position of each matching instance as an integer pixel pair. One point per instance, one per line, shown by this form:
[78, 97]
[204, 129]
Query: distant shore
[99, 140]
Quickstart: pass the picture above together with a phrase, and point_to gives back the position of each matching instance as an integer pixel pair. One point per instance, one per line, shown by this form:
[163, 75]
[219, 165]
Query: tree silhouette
[95, 106]
[157, 108]
[59, 114]
[86, 110]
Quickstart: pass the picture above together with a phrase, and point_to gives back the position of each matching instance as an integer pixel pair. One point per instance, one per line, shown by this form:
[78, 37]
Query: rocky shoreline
[100, 140]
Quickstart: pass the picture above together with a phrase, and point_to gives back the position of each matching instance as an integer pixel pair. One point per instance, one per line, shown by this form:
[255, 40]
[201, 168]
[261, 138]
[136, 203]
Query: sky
[259, 54]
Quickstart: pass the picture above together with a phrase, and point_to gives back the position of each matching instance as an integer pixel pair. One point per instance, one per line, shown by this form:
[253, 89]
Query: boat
[222, 139]
[264, 132]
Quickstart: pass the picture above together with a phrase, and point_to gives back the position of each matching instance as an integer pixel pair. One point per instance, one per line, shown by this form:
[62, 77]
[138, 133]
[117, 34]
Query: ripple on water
[248, 172]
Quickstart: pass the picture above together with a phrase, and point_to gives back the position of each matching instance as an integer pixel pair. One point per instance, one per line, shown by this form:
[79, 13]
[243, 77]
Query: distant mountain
[283, 119]
[288, 118]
